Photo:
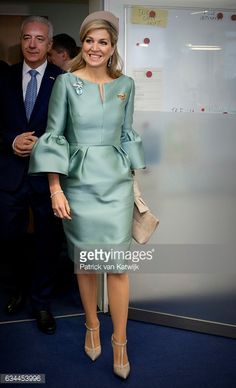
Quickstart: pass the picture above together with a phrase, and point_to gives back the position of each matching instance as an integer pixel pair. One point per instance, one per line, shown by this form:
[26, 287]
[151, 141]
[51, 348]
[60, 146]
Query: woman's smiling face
[97, 48]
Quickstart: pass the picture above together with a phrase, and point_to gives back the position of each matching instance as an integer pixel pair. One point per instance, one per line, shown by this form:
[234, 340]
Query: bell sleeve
[131, 142]
[51, 152]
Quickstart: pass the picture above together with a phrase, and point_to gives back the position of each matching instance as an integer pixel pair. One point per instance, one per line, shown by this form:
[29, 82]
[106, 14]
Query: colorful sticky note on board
[150, 16]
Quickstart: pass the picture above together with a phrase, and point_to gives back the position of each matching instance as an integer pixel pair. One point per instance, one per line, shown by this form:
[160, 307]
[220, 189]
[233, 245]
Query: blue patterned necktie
[31, 93]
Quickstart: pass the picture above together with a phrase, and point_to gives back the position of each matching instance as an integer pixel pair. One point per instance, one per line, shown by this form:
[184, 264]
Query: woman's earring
[109, 63]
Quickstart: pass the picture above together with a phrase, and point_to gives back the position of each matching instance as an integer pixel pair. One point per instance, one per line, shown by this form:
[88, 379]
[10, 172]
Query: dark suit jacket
[13, 121]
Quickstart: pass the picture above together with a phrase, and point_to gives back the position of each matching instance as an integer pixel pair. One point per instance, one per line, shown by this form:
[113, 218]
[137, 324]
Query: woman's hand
[60, 205]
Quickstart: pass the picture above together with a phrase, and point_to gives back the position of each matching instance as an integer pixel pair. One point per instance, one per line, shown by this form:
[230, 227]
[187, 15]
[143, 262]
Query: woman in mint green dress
[89, 151]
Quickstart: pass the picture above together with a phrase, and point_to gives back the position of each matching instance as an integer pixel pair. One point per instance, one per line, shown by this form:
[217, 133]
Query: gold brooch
[122, 96]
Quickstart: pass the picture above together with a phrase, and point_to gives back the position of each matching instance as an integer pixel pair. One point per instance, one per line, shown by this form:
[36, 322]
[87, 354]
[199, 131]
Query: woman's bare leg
[88, 294]
[118, 299]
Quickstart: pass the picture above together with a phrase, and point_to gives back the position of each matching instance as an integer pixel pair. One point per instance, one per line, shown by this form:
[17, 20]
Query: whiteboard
[190, 179]
[186, 66]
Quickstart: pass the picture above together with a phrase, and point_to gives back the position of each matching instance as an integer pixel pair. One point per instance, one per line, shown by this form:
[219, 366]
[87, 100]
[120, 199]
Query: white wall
[95, 5]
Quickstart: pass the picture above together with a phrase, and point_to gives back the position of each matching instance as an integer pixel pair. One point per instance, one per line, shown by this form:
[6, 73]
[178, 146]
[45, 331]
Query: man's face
[35, 43]
[57, 57]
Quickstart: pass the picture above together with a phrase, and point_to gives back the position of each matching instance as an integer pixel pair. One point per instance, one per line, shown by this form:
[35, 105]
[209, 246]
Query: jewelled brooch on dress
[78, 85]
[121, 96]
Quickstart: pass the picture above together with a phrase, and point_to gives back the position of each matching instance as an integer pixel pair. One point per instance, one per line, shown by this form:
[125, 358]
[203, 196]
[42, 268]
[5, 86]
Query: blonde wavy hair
[77, 63]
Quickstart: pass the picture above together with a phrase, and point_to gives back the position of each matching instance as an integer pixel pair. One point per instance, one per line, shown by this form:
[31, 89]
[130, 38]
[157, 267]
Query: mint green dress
[90, 142]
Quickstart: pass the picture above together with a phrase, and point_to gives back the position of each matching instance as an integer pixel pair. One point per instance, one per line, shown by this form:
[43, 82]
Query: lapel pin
[122, 96]
[52, 78]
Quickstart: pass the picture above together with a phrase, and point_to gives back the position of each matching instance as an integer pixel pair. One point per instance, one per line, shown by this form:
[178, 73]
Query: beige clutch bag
[144, 222]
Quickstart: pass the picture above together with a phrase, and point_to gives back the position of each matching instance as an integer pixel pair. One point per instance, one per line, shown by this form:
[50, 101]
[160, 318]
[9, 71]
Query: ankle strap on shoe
[117, 343]
[92, 329]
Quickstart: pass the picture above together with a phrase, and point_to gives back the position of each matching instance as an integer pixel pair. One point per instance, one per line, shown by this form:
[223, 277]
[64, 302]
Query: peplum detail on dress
[51, 154]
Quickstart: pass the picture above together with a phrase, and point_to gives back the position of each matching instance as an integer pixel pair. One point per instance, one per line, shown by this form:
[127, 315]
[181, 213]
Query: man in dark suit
[20, 192]
[3, 65]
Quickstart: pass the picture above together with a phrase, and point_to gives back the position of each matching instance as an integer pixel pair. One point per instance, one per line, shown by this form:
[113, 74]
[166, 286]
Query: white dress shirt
[26, 76]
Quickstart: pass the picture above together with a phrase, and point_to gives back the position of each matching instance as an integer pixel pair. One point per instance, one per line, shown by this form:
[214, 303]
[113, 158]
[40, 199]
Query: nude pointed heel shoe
[93, 352]
[121, 370]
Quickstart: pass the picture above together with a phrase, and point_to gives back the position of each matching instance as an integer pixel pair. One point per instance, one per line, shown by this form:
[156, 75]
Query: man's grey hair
[39, 19]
